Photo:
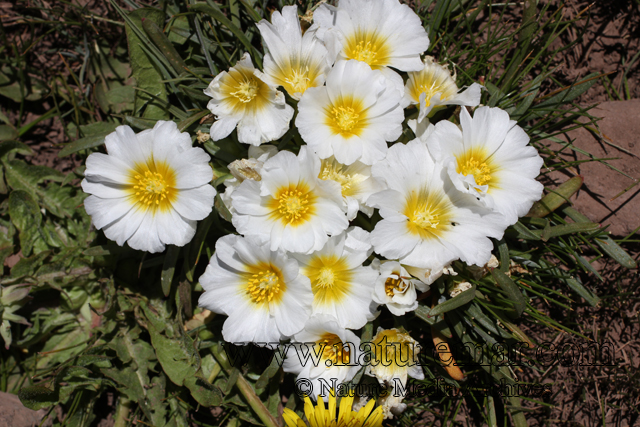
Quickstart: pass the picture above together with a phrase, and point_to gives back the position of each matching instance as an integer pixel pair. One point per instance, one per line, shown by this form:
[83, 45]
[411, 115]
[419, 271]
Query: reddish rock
[620, 126]
[14, 414]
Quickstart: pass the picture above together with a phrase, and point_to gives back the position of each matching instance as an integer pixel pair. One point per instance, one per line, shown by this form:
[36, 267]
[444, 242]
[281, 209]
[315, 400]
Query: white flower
[391, 402]
[342, 286]
[260, 290]
[396, 288]
[323, 350]
[353, 116]
[356, 182]
[246, 169]
[490, 160]
[422, 129]
[294, 61]
[290, 207]
[434, 86]
[150, 189]
[241, 99]
[382, 33]
[426, 222]
[394, 357]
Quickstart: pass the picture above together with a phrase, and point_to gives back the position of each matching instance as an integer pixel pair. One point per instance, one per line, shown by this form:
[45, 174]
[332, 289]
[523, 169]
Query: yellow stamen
[264, 286]
[152, 185]
[345, 118]
[334, 349]
[247, 90]
[393, 284]
[479, 169]
[293, 205]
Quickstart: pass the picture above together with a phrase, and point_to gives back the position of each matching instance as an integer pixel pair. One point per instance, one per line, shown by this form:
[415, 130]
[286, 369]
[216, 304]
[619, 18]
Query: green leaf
[221, 208]
[570, 93]
[168, 268]
[28, 266]
[203, 392]
[86, 142]
[585, 293]
[606, 243]
[118, 99]
[556, 198]
[37, 397]
[7, 147]
[423, 312]
[162, 42]
[140, 123]
[561, 230]
[455, 302]
[145, 73]
[217, 15]
[184, 124]
[7, 132]
[26, 216]
[511, 289]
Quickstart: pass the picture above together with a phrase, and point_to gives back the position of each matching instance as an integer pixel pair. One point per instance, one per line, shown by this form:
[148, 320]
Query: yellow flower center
[428, 213]
[434, 78]
[330, 279]
[345, 118]
[298, 80]
[326, 277]
[393, 284]
[481, 171]
[246, 90]
[364, 51]
[369, 47]
[264, 286]
[395, 346]
[334, 349]
[152, 185]
[334, 173]
[293, 205]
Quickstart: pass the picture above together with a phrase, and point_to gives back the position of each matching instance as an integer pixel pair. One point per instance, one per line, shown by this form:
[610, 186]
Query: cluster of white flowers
[298, 269]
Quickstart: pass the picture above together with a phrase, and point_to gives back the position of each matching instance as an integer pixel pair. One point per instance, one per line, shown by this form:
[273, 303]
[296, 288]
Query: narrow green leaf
[503, 252]
[512, 290]
[606, 243]
[515, 409]
[140, 123]
[524, 232]
[164, 45]
[184, 124]
[585, 293]
[87, 142]
[570, 93]
[168, 268]
[455, 302]
[423, 312]
[219, 16]
[556, 198]
[221, 208]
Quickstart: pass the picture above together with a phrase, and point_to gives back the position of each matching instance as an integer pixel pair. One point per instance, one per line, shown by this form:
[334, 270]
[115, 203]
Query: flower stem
[246, 390]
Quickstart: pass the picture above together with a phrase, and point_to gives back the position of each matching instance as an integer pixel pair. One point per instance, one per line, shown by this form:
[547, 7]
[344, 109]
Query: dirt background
[606, 39]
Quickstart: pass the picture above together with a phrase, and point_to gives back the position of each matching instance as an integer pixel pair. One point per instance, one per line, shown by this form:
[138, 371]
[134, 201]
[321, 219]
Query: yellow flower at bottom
[319, 416]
